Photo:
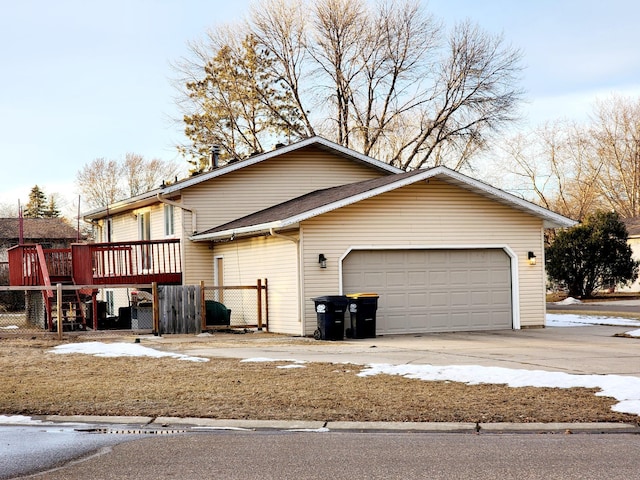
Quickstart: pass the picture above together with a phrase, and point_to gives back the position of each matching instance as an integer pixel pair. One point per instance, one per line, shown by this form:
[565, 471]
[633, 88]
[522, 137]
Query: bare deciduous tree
[557, 168]
[616, 135]
[384, 80]
[103, 182]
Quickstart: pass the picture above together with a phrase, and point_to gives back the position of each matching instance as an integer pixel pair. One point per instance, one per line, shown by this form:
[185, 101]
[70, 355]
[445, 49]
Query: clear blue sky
[86, 79]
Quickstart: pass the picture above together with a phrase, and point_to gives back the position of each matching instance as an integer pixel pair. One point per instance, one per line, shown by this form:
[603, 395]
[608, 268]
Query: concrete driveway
[579, 350]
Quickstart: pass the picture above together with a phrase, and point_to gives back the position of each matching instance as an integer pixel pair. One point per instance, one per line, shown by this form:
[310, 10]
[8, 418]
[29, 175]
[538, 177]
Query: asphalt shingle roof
[308, 202]
[633, 225]
[37, 229]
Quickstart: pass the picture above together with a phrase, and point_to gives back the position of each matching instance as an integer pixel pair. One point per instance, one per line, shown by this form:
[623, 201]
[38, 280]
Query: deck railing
[115, 263]
[25, 266]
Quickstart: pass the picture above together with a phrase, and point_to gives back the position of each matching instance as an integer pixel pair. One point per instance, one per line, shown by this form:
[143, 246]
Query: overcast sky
[87, 79]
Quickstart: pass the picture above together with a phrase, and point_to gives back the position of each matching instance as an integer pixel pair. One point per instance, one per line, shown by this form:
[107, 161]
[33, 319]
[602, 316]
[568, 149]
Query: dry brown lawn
[36, 382]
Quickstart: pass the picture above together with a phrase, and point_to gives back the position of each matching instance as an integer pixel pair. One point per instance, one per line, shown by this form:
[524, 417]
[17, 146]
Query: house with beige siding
[443, 251]
[633, 229]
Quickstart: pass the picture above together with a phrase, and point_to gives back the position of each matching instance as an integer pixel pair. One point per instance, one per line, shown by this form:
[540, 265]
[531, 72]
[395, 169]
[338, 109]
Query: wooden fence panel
[179, 309]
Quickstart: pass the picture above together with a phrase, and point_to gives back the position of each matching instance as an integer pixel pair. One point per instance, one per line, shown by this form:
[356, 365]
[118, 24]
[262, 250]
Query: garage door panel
[438, 277]
[416, 299]
[396, 279]
[459, 298]
[481, 298]
[458, 277]
[437, 299]
[434, 290]
[417, 278]
[394, 300]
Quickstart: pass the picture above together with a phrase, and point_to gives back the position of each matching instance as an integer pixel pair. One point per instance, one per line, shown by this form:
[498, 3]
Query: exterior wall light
[322, 260]
[532, 258]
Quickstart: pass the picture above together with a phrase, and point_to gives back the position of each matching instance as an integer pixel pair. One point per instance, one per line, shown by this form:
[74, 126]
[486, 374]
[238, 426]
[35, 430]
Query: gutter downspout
[273, 233]
[194, 223]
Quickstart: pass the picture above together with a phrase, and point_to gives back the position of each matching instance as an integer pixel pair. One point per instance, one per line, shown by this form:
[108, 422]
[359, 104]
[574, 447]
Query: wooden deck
[115, 263]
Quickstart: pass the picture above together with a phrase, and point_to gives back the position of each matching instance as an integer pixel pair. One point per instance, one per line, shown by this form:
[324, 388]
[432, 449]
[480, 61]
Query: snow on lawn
[292, 363]
[634, 333]
[624, 389]
[568, 301]
[570, 320]
[99, 349]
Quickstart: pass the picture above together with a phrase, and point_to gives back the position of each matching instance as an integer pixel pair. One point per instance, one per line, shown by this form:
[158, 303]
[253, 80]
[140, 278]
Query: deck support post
[59, 309]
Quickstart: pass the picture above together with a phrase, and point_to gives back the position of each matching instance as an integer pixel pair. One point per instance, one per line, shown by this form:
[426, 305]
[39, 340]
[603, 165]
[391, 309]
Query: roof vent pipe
[215, 154]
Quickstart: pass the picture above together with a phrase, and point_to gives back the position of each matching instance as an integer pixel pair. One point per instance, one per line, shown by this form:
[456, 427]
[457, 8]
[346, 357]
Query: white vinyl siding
[273, 258]
[424, 215]
[274, 181]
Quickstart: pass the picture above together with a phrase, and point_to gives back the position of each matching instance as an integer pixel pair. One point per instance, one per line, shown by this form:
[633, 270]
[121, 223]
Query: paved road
[27, 448]
[286, 455]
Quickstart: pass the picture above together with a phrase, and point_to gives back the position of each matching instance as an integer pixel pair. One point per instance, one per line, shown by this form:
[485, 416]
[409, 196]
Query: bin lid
[362, 295]
[329, 298]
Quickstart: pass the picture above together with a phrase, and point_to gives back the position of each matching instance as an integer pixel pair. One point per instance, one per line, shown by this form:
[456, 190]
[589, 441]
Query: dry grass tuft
[36, 382]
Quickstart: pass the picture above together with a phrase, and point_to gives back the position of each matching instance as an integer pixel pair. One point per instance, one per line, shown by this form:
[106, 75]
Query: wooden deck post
[266, 304]
[156, 309]
[259, 304]
[203, 308]
[59, 309]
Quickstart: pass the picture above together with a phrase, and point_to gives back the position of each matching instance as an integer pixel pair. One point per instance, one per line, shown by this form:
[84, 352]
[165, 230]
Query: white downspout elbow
[194, 222]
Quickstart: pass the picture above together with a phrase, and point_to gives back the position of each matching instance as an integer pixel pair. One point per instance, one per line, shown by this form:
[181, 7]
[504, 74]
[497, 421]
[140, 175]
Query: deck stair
[73, 312]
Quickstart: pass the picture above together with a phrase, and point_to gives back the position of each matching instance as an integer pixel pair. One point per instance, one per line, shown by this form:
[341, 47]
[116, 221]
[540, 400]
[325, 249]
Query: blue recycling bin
[330, 310]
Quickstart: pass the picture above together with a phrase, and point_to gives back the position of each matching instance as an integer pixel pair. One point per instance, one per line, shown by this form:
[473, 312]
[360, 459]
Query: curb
[204, 424]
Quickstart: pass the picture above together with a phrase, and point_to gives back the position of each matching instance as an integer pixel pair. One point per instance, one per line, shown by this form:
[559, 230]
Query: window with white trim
[169, 229]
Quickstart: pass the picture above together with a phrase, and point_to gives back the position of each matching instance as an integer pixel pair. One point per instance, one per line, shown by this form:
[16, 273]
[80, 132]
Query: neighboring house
[445, 252]
[48, 232]
[633, 229]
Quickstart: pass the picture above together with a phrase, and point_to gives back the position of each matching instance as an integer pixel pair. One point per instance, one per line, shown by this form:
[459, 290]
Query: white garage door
[434, 290]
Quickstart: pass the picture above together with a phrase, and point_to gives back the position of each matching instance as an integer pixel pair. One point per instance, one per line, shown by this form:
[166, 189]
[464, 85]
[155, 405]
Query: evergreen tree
[52, 210]
[592, 256]
[37, 204]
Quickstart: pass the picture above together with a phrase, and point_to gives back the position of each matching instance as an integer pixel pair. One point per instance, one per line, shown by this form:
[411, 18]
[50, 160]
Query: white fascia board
[277, 152]
[236, 232]
[142, 200]
[550, 219]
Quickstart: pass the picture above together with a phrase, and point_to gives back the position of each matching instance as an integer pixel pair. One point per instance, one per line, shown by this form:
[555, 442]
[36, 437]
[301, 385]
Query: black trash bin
[330, 310]
[362, 310]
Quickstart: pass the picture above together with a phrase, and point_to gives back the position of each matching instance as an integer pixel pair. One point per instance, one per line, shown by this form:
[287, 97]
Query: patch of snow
[634, 333]
[234, 429]
[10, 327]
[568, 301]
[23, 420]
[100, 349]
[570, 320]
[625, 389]
[18, 420]
[292, 366]
[266, 359]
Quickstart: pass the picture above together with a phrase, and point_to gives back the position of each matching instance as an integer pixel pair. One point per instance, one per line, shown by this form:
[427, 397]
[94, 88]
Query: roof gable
[175, 189]
[313, 141]
[322, 201]
[633, 226]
